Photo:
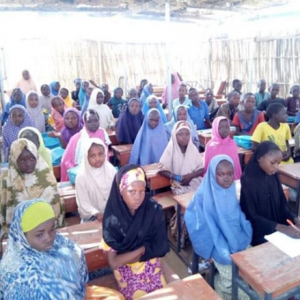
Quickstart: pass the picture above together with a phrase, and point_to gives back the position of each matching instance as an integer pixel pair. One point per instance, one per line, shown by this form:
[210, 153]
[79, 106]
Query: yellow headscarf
[131, 176]
[35, 215]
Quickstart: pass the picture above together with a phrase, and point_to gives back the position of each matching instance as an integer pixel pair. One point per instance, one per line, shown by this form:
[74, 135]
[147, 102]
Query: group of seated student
[134, 231]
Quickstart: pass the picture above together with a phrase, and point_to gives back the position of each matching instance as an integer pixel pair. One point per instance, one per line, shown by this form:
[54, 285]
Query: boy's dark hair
[232, 94]
[248, 95]
[292, 88]
[235, 81]
[274, 109]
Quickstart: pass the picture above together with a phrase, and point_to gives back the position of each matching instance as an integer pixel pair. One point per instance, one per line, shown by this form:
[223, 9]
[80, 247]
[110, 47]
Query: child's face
[17, 95]
[262, 86]
[281, 116]
[45, 89]
[31, 136]
[17, 116]
[153, 119]
[118, 93]
[26, 162]
[132, 94]
[134, 195]
[183, 137]
[153, 103]
[181, 114]
[58, 105]
[33, 100]
[208, 96]
[225, 174]
[150, 88]
[57, 86]
[104, 88]
[269, 163]
[71, 120]
[77, 85]
[296, 92]
[85, 85]
[89, 92]
[42, 237]
[64, 93]
[224, 129]
[96, 156]
[26, 75]
[234, 100]
[274, 90]
[193, 95]
[100, 98]
[238, 86]
[134, 107]
[92, 123]
[249, 103]
[182, 92]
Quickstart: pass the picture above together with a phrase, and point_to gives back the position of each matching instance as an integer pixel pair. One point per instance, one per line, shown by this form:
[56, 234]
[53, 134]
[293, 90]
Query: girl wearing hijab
[262, 196]
[34, 110]
[104, 112]
[39, 263]
[116, 103]
[216, 225]
[27, 177]
[26, 84]
[75, 94]
[18, 119]
[55, 87]
[82, 92]
[33, 135]
[130, 122]
[142, 84]
[222, 143]
[58, 110]
[176, 81]
[75, 149]
[134, 234]
[17, 98]
[181, 160]
[180, 113]
[94, 181]
[147, 91]
[152, 102]
[151, 140]
[65, 95]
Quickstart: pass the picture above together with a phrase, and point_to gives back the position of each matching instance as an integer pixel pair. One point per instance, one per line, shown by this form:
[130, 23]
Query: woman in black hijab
[262, 196]
[134, 234]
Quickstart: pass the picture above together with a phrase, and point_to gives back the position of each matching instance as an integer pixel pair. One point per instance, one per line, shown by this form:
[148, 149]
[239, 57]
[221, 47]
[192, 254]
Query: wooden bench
[158, 90]
[155, 181]
[166, 199]
[190, 288]
[112, 136]
[122, 153]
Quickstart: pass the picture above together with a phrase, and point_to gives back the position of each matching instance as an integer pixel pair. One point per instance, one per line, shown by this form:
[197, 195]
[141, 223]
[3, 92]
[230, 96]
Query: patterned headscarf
[59, 273]
[16, 186]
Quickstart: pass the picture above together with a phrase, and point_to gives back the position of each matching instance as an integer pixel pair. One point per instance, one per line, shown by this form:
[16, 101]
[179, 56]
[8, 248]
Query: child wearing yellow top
[276, 131]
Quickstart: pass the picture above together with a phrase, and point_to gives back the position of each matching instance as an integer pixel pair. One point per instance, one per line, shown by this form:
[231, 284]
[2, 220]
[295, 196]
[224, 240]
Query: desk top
[190, 288]
[111, 132]
[122, 148]
[102, 293]
[291, 170]
[86, 235]
[151, 170]
[267, 269]
[66, 188]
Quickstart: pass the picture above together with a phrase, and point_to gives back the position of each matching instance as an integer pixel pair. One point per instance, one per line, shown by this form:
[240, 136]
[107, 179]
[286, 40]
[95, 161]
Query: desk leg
[235, 274]
[178, 228]
[195, 263]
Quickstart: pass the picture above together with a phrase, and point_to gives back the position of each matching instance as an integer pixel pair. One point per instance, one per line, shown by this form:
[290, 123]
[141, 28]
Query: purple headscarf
[66, 132]
[129, 125]
[10, 131]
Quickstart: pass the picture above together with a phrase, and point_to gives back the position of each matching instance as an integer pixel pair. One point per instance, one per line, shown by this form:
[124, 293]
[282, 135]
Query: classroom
[149, 149]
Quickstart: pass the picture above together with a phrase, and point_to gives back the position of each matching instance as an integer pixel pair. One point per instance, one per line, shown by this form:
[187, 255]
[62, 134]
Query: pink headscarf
[226, 146]
[175, 89]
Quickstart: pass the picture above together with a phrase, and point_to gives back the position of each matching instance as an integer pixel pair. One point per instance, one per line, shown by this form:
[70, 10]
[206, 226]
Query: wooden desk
[101, 293]
[122, 153]
[270, 272]
[205, 136]
[290, 176]
[154, 180]
[68, 193]
[112, 136]
[190, 288]
[56, 171]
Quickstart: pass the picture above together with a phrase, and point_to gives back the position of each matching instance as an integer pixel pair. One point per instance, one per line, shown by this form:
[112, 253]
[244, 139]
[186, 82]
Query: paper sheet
[286, 244]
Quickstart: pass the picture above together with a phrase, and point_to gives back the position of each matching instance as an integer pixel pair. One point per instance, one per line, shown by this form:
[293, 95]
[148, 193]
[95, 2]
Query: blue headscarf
[26, 273]
[145, 94]
[82, 94]
[149, 144]
[54, 92]
[217, 227]
[146, 108]
[12, 103]
[169, 125]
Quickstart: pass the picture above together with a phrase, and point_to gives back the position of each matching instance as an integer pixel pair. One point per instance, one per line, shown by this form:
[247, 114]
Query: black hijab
[262, 197]
[124, 232]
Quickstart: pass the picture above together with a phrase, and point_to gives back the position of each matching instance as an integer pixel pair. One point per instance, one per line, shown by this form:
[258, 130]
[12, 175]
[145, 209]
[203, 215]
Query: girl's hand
[286, 155]
[54, 134]
[99, 217]
[185, 179]
[288, 230]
